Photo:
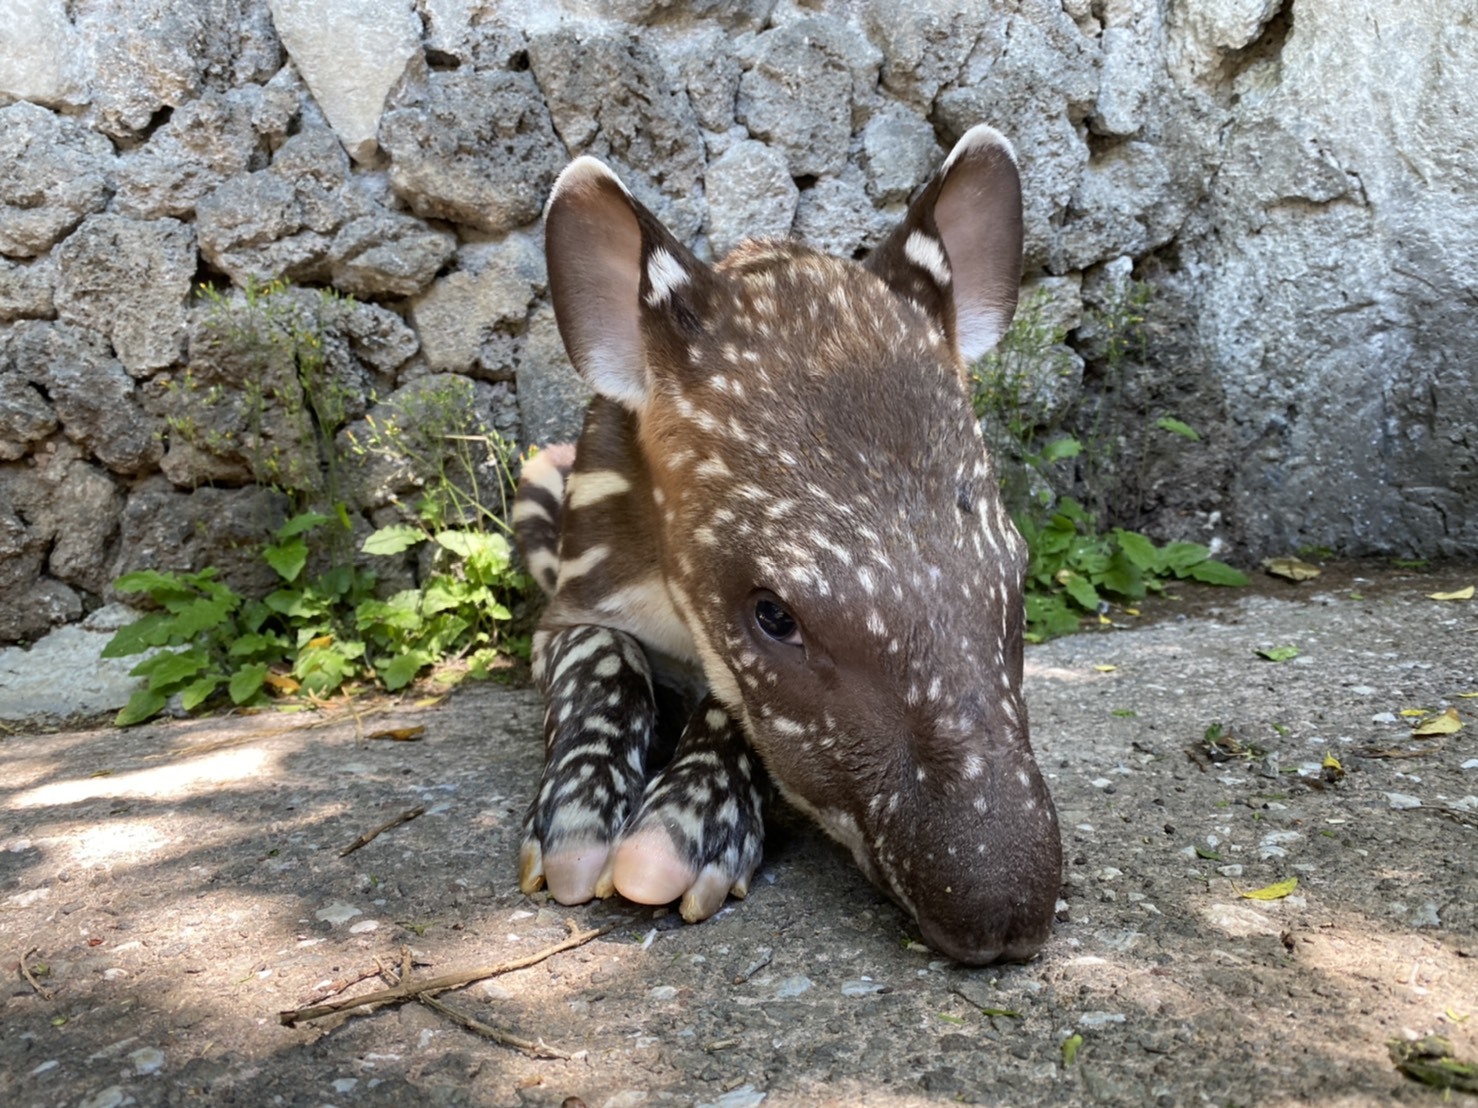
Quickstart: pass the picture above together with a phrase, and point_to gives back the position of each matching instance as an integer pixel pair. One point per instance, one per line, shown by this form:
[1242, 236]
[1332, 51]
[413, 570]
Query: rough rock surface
[1292, 179]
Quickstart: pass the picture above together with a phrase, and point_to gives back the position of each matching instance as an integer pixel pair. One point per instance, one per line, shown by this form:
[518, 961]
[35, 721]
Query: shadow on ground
[181, 883]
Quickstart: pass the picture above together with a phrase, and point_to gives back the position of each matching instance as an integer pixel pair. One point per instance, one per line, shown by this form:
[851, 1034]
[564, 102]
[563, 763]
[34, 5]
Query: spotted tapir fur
[780, 506]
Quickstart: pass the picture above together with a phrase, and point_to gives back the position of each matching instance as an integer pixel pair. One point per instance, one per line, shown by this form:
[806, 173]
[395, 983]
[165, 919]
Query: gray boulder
[750, 194]
[804, 82]
[473, 148]
[53, 172]
[94, 398]
[129, 279]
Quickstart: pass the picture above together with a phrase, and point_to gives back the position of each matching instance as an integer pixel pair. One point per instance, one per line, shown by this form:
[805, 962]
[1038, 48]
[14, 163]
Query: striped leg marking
[598, 728]
[699, 832]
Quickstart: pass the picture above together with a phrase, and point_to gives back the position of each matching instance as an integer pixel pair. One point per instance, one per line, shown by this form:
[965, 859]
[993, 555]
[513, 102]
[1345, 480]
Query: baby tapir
[781, 501]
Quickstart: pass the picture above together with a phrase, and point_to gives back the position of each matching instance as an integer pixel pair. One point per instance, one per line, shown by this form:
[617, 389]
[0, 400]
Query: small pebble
[1403, 800]
[1426, 916]
[147, 1059]
[1100, 1019]
[345, 1084]
[1471, 763]
[662, 992]
[792, 987]
[1230, 871]
[364, 925]
[337, 912]
[1383, 717]
[111, 1097]
[745, 1096]
[862, 987]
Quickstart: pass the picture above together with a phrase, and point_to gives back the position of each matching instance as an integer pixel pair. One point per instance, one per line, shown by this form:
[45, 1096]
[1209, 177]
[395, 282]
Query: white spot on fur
[591, 488]
[665, 274]
[927, 253]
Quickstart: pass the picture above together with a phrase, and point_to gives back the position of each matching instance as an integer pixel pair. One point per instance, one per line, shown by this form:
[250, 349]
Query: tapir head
[831, 530]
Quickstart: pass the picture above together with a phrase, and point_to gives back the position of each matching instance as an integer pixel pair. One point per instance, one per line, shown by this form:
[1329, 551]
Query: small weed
[1077, 565]
[321, 633]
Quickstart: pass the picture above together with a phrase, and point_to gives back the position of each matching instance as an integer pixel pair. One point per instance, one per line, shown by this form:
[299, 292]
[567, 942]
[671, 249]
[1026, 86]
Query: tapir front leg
[599, 727]
[699, 832]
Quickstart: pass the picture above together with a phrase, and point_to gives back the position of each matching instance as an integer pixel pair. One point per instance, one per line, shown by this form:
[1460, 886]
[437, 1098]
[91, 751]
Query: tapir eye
[776, 622]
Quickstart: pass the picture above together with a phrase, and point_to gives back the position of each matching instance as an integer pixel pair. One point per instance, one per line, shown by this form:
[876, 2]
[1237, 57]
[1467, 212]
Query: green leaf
[195, 693]
[1213, 572]
[288, 557]
[1081, 590]
[1180, 556]
[1176, 427]
[246, 682]
[203, 614]
[143, 704]
[158, 585]
[1278, 653]
[475, 544]
[1070, 1047]
[244, 646]
[1138, 549]
[394, 539]
[142, 634]
[168, 669]
[1058, 449]
[304, 521]
[402, 669]
[444, 593]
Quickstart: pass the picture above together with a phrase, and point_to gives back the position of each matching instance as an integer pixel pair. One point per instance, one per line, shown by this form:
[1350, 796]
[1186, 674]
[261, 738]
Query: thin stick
[534, 1047]
[339, 984]
[45, 994]
[406, 990]
[369, 836]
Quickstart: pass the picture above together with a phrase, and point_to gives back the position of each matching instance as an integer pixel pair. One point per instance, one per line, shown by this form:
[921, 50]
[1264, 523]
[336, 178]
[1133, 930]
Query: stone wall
[1295, 179]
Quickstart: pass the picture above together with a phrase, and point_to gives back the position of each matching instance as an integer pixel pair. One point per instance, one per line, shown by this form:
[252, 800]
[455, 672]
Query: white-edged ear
[958, 250]
[613, 271]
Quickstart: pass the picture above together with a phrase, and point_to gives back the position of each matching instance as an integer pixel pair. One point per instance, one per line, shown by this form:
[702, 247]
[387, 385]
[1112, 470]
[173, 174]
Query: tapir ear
[958, 250]
[616, 275]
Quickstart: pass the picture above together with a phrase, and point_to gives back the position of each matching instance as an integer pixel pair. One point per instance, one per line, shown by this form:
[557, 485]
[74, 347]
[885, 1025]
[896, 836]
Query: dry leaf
[399, 734]
[1295, 569]
[1461, 594]
[1444, 724]
[1105, 669]
[1413, 712]
[321, 641]
[1275, 891]
[282, 682]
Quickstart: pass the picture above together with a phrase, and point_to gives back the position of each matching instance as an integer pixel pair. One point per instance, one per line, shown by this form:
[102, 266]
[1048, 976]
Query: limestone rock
[473, 148]
[129, 279]
[610, 96]
[351, 53]
[93, 397]
[272, 377]
[710, 73]
[25, 416]
[552, 397]
[166, 528]
[73, 506]
[142, 56]
[750, 194]
[925, 46]
[38, 55]
[898, 154]
[53, 171]
[467, 319]
[27, 289]
[801, 89]
[205, 142]
[281, 221]
[836, 216]
[386, 253]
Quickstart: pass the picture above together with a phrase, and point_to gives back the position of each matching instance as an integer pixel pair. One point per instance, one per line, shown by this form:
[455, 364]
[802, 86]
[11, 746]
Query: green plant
[318, 633]
[1078, 564]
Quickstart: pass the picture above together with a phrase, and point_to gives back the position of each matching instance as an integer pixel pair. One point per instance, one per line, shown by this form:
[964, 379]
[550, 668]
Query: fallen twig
[369, 836]
[535, 1047]
[43, 993]
[415, 990]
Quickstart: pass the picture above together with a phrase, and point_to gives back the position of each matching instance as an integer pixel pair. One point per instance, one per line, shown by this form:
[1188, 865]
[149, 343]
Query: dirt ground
[172, 888]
